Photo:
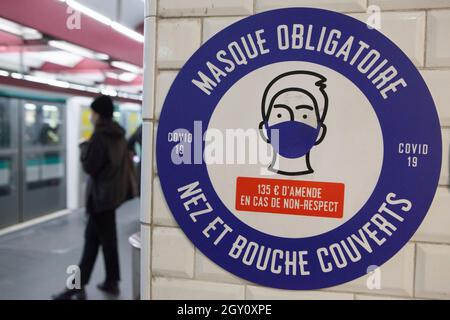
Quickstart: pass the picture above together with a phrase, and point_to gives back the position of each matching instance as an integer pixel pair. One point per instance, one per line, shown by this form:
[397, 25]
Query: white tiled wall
[172, 254]
[213, 25]
[435, 228]
[260, 293]
[164, 80]
[438, 46]
[432, 271]
[340, 5]
[445, 178]
[373, 297]
[205, 269]
[410, 4]
[396, 276]
[406, 29]
[179, 8]
[161, 212]
[181, 289]
[179, 271]
[438, 82]
[177, 41]
[146, 172]
[149, 65]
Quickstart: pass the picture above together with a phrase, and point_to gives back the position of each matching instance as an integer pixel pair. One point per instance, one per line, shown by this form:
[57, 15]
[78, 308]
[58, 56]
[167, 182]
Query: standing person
[106, 160]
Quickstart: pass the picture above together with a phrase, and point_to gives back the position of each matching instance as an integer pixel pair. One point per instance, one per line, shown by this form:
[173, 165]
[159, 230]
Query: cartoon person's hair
[308, 82]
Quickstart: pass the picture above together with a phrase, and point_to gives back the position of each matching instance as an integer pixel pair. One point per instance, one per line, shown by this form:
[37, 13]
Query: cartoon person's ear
[263, 132]
[322, 133]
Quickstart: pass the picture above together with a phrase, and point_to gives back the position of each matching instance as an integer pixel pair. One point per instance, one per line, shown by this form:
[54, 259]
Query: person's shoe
[70, 294]
[111, 288]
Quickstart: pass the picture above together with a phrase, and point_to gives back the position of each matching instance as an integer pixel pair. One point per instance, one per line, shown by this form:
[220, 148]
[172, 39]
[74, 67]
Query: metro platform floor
[33, 261]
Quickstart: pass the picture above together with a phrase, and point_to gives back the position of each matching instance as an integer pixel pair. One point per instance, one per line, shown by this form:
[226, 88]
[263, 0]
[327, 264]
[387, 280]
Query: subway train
[40, 174]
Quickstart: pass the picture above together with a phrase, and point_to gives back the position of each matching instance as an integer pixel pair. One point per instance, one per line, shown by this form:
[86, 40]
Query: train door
[43, 183]
[9, 159]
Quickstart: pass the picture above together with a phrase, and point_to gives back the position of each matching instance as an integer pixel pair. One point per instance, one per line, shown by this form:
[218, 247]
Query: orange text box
[304, 198]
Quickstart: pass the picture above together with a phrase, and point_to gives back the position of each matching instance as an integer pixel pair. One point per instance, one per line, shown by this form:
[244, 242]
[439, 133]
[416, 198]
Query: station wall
[170, 265]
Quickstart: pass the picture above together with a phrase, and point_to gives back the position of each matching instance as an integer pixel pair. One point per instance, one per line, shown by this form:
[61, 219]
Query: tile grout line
[425, 45]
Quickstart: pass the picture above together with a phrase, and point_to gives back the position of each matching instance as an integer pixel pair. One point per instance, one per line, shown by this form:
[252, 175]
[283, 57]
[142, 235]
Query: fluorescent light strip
[35, 79]
[66, 46]
[77, 87]
[19, 30]
[89, 12]
[16, 75]
[49, 108]
[105, 20]
[112, 75]
[58, 83]
[64, 84]
[127, 32]
[127, 76]
[126, 66]
[109, 92]
[93, 90]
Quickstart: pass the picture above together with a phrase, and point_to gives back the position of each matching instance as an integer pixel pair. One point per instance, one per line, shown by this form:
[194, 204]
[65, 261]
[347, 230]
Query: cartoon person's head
[294, 106]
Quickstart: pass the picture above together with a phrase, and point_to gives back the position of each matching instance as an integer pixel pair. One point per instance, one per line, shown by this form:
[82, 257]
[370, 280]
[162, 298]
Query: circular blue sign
[410, 154]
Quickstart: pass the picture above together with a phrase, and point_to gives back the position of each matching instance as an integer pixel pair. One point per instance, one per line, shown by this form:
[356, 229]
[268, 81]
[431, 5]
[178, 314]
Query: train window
[5, 176]
[5, 125]
[42, 124]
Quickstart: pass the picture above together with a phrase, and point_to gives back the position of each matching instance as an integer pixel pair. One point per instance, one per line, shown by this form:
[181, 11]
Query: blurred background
[55, 56]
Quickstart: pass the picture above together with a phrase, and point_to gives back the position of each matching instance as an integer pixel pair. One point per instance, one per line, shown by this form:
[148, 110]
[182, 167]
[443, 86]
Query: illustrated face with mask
[293, 125]
[294, 107]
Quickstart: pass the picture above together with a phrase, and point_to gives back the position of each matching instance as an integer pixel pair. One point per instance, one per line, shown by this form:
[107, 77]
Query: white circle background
[351, 153]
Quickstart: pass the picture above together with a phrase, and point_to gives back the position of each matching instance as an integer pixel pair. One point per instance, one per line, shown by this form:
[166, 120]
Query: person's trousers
[100, 231]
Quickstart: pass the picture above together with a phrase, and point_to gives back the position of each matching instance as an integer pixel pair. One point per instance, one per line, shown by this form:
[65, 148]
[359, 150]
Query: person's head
[102, 108]
[295, 105]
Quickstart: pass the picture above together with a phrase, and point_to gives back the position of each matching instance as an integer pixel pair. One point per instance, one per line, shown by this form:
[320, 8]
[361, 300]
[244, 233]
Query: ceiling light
[58, 83]
[127, 76]
[48, 81]
[16, 75]
[127, 32]
[93, 89]
[109, 92]
[66, 46]
[126, 66]
[59, 57]
[35, 79]
[101, 56]
[31, 34]
[77, 87]
[124, 95]
[19, 30]
[49, 108]
[89, 12]
[105, 20]
[112, 75]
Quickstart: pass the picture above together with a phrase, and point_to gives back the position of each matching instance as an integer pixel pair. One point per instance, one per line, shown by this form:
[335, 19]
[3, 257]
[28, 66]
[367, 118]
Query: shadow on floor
[34, 260]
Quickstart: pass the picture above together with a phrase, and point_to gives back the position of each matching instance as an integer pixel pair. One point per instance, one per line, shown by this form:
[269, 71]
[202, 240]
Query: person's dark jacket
[105, 158]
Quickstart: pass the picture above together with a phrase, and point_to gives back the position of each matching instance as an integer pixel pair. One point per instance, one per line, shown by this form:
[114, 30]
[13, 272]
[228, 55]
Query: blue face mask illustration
[294, 140]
